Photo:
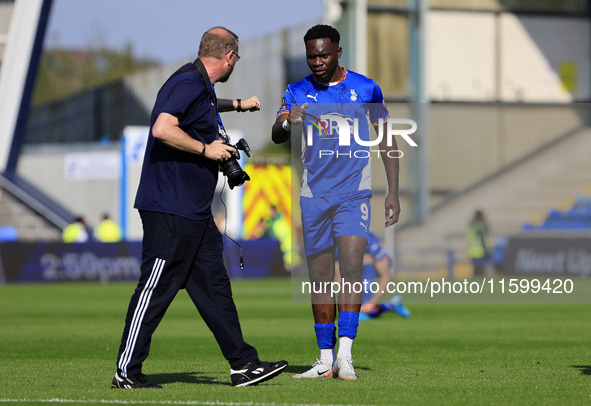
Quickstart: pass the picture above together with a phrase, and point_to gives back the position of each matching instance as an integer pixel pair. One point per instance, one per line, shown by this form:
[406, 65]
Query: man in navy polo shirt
[182, 247]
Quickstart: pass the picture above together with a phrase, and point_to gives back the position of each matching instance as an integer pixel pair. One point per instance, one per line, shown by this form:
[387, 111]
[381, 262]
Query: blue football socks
[348, 323]
[325, 335]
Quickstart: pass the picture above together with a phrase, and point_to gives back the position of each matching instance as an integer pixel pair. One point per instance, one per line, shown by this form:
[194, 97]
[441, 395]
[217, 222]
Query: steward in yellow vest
[479, 242]
[107, 230]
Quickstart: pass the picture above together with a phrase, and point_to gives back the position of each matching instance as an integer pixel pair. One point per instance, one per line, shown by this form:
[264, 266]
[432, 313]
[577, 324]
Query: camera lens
[235, 174]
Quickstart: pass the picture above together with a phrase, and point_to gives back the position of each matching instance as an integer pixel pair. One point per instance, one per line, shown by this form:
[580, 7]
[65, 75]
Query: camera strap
[198, 68]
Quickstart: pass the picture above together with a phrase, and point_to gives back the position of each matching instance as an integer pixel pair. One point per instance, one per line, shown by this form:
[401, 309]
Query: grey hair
[217, 41]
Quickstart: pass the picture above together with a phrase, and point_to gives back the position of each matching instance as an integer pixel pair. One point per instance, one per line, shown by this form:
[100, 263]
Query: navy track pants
[178, 253]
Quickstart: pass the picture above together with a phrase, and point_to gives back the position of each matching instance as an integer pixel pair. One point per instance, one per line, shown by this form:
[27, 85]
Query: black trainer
[256, 372]
[138, 381]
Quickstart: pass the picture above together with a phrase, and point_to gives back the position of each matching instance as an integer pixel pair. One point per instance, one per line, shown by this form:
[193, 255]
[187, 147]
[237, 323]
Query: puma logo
[313, 97]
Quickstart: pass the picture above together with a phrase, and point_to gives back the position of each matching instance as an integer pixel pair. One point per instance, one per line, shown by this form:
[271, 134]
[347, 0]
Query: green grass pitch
[58, 343]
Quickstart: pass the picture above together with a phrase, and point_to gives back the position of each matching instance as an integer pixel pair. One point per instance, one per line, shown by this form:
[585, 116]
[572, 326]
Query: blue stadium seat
[8, 233]
[578, 217]
[577, 224]
[554, 214]
[498, 253]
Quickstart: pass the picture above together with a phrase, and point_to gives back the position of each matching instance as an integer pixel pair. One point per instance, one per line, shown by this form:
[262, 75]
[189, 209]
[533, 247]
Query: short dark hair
[323, 31]
[217, 41]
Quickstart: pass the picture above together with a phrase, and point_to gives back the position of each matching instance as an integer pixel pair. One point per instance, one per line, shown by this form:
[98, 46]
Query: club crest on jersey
[353, 95]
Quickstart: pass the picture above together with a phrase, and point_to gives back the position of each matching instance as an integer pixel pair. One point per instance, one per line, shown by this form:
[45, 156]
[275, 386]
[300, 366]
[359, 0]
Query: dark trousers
[178, 253]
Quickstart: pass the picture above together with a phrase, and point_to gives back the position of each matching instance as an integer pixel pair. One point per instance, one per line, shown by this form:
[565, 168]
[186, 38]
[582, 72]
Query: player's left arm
[383, 270]
[391, 164]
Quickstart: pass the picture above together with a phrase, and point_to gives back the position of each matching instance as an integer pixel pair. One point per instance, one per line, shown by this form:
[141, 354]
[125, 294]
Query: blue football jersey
[338, 122]
[375, 248]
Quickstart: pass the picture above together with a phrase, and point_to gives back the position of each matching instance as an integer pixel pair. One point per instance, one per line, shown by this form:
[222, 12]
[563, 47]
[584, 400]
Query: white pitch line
[155, 402]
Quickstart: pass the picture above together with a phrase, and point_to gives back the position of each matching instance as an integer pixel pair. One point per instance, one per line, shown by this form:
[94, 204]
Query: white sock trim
[345, 344]
[327, 356]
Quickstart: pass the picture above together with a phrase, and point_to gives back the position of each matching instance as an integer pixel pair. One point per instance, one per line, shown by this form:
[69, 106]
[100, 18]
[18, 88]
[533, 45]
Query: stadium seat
[530, 227]
[578, 217]
[499, 250]
[8, 233]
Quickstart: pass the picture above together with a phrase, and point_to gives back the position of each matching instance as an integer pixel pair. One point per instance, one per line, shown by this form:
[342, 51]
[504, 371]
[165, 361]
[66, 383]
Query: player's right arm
[278, 133]
[288, 114]
[281, 131]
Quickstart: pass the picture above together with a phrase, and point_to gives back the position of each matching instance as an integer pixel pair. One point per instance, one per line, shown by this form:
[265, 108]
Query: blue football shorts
[324, 219]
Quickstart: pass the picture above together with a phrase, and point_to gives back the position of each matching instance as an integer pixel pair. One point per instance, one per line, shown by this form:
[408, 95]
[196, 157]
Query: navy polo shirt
[174, 181]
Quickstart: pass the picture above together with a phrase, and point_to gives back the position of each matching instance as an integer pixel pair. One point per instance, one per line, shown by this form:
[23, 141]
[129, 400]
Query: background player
[376, 265]
[335, 193]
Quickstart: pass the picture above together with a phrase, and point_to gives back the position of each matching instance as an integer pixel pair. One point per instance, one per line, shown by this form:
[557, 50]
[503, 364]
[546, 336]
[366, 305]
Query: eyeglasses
[234, 53]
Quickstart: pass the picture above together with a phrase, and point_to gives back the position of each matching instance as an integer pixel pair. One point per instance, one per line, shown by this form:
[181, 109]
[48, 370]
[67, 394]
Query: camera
[231, 168]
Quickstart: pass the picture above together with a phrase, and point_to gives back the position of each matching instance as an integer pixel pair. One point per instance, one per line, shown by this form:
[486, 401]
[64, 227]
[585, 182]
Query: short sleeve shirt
[331, 168]
[174, 181]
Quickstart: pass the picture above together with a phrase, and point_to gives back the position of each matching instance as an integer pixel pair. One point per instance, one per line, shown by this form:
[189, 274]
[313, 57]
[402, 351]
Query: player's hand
[218, 151]
[367, 308]
[392, 205]
[251, 104]
[297, 114]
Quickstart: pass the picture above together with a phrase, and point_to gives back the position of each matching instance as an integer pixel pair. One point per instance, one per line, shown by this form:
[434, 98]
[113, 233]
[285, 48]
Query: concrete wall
[470, 142]
[6, 8]
[89, 195]
[483, 56]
